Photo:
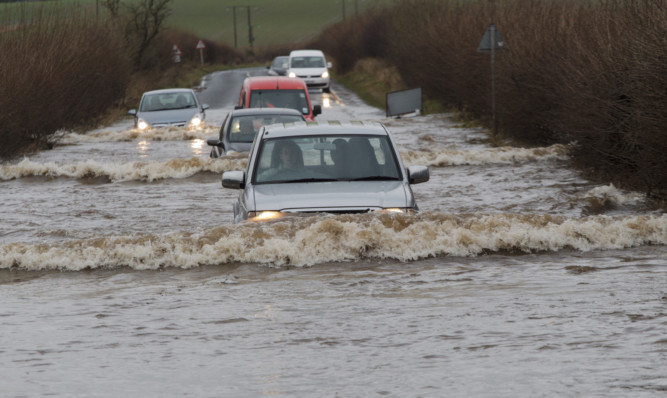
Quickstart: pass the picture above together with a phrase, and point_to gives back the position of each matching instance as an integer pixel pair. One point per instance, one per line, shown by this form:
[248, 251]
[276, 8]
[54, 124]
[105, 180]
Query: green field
[273, 21]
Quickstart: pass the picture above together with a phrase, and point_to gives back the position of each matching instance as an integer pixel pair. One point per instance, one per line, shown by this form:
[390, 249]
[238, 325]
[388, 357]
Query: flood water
[122, 274]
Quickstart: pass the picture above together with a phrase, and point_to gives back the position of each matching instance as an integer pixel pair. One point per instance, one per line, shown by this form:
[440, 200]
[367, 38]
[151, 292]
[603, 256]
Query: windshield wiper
[374, 178]
[318, 179]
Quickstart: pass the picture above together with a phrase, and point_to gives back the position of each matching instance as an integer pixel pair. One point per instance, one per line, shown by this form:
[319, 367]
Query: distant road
[221, 89]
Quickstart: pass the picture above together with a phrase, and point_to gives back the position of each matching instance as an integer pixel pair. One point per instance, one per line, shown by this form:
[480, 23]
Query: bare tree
[113, 6]
[145, 20]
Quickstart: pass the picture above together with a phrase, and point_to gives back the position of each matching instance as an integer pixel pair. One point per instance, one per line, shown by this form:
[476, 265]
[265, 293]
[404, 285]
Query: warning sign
[491, 40]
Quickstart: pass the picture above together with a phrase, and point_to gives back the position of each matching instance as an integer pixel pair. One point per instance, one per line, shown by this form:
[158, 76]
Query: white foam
[158, 134]
[313, 240]
[131, 171]
[456, 157]
[615, 195]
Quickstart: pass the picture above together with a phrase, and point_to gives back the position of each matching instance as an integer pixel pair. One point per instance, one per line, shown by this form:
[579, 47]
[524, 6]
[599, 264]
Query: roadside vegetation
[66, 68]
[593, 73]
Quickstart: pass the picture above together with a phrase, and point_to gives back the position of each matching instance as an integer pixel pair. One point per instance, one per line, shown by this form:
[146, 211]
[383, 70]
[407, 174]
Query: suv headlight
[325, 74]
[389, 210]
[291, 74]
[259, 216]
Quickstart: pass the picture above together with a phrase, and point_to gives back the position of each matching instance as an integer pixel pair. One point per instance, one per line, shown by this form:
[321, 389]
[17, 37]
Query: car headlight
[258, 216]
[325, 75]
[142, 124]
[292, 74]
[196, 120]
[390, 210]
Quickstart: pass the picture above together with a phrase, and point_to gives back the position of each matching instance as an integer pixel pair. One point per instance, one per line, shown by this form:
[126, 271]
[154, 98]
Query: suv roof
[274, 83]
[323, 128]
[306, 52]
[265, 111]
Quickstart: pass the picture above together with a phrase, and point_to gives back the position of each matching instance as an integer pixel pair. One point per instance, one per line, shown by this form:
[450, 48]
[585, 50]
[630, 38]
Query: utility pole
[343, 2]
[234, 19]
[250, 37]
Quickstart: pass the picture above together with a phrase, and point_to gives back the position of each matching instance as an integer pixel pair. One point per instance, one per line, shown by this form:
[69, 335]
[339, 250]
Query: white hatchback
[311, 66]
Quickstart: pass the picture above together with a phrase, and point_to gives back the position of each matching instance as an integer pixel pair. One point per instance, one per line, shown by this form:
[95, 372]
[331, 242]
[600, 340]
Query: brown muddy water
[121, 273]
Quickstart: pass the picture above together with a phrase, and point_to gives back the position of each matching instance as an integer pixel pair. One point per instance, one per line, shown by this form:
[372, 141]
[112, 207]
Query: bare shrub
[353, 39]
[60, 71]
[591, 72]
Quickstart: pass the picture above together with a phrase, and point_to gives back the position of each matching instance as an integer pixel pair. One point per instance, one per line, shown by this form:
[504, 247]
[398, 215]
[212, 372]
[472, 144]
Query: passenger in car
[362, 157]
[246, 128]
[340, 157]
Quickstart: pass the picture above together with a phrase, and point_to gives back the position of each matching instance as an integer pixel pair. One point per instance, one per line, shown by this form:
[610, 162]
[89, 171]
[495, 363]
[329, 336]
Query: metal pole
[250, 38]
[493, 77]
[234, 14]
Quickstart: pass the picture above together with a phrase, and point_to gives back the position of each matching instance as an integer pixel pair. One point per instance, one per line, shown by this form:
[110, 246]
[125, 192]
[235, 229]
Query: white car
[311, 66]
[310, 167]
[169, 107]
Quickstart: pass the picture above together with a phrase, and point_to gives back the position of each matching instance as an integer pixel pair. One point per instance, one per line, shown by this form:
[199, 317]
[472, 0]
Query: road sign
[491, 42]
[492, 36]
[201, 46]
[176, 54]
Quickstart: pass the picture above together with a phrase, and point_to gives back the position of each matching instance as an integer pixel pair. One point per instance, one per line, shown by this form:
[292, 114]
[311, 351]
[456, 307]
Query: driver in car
[286, 161]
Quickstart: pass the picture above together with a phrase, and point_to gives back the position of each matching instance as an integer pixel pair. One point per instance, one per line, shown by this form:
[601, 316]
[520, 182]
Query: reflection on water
[143, 147]
[197, 145]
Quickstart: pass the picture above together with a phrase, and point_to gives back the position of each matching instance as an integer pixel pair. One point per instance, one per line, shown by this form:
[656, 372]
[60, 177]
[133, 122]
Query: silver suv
[323, 168]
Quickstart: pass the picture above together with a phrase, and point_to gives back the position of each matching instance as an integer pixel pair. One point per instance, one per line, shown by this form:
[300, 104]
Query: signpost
[176, 54]
[201, 46]
[404, 101]
[491, 42]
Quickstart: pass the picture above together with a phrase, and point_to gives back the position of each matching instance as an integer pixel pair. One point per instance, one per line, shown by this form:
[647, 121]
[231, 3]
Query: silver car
[279, 66]
[169, 107]
[323, 168]
[240, 126]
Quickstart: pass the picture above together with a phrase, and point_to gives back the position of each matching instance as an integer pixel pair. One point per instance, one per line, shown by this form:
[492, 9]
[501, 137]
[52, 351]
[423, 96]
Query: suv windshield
[244, 128]
[307, 62]
[293, 99]
[330, 158]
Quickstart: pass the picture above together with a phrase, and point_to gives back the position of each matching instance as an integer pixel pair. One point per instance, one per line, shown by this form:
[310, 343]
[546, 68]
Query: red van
[277, 92]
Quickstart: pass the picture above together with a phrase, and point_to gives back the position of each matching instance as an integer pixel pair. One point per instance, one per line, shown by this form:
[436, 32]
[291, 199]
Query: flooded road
[121, 273]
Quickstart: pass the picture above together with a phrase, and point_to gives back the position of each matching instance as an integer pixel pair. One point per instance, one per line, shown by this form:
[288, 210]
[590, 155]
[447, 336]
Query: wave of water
[454, 157]
[183, 168]
[131, 171]
[158, 134]
[607, 197]
[306, 241]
